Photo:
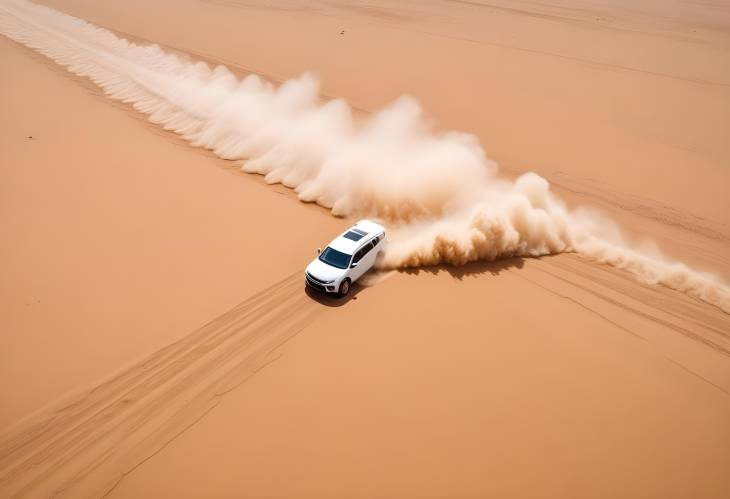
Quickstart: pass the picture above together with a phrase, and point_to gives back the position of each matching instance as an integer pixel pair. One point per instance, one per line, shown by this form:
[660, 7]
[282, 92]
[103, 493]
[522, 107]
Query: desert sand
[156, 337]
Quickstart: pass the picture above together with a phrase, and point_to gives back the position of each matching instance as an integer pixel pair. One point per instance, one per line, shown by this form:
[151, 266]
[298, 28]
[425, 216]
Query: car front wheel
[344, 287]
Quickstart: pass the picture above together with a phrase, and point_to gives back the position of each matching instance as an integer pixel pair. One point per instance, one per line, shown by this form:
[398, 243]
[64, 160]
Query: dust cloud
[441, 198]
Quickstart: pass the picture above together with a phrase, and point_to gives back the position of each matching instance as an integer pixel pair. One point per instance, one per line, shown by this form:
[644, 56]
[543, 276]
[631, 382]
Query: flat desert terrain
[156, 337]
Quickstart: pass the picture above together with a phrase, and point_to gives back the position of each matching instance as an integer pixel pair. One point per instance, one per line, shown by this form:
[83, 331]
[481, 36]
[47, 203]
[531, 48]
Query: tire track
[87, 444]
[683, 308]
[713, 344]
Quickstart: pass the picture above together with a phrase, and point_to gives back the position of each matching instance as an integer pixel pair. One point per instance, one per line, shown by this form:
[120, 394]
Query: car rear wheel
[344, 287]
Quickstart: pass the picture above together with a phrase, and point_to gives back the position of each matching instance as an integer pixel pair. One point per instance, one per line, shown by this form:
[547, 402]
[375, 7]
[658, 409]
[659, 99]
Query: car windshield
[335, 258]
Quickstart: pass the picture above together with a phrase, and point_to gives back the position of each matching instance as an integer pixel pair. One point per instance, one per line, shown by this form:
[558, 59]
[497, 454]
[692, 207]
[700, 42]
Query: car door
[365, 258]
[370, 255]
[377, 247]
[360, 258]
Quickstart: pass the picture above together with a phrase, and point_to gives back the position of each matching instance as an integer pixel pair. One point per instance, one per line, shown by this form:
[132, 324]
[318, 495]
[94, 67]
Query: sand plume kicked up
[437, 192]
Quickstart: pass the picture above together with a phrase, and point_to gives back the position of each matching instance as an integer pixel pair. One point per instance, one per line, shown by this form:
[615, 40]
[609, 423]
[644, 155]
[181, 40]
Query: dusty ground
[523, 378]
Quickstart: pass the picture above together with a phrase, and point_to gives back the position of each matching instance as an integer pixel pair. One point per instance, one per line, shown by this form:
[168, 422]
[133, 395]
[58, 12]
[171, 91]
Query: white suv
[346, 258]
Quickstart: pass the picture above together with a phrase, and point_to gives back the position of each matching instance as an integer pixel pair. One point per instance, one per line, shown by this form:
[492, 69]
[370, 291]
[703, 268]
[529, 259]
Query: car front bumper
[319, 285]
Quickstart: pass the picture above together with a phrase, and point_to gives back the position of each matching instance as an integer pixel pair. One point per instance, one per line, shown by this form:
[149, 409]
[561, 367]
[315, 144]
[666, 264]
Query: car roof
[345, 245]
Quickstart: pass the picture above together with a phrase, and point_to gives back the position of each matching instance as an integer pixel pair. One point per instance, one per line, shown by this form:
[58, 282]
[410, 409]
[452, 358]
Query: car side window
[358, 255]
[365, 249]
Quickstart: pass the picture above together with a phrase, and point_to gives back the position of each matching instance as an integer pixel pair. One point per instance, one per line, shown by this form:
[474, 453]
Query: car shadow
[472, 269]
[332, 300]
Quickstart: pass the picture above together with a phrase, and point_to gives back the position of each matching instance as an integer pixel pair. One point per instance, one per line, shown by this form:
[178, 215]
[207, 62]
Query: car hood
[323, 272]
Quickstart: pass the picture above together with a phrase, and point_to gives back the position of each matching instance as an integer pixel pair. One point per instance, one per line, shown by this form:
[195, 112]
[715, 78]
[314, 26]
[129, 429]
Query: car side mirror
[319, 250]
[354, 264]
